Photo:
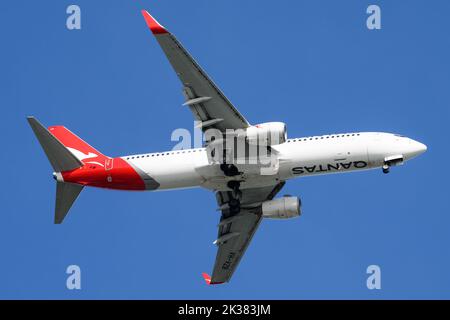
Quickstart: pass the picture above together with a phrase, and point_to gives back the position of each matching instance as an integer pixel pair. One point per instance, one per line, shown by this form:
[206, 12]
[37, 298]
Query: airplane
[245, 192]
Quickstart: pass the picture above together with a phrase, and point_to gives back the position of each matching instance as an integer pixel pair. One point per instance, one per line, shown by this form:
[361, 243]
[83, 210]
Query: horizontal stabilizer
[66, 194]
[59, 156]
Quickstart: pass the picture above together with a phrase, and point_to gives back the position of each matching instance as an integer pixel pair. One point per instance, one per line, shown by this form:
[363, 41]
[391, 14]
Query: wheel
[229, 170]
[235, 206]
[233, 171]
[233, 203]
[385, 169]
[233, 185]
[237, 194]
[235, 210]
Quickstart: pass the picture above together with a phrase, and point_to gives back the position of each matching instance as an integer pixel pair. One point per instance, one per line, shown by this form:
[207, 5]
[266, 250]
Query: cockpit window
[399, 135]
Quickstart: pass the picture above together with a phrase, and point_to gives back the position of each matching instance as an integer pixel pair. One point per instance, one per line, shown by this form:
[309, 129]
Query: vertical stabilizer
[59, 156]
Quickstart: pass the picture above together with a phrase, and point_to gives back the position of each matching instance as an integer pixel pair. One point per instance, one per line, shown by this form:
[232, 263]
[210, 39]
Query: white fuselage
[336, 153]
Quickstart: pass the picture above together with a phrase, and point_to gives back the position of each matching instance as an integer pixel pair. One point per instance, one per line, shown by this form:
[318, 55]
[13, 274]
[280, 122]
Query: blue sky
[311, 64]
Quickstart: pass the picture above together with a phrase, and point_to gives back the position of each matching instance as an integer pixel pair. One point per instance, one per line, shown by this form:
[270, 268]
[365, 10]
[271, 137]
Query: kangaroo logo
[80, 155]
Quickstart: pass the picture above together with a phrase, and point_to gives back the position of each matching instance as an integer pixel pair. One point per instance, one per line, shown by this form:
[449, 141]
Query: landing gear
[234, 206]
[235, 195]
[392, 161]
[234, 203]
[230, 170]
[234, 185]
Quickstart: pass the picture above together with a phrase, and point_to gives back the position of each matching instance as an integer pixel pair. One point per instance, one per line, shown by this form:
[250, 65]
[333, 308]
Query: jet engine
[270, 133]
[282, 208]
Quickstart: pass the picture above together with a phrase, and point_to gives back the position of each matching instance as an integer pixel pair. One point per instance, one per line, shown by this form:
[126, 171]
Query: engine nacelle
[270, 133]
[282, 208]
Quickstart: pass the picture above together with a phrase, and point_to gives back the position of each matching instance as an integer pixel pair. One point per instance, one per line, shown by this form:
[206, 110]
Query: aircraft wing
[237, 230]
[208, 104]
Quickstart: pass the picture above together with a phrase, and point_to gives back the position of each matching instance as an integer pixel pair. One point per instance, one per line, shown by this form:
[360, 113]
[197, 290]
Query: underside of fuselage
[307, 156]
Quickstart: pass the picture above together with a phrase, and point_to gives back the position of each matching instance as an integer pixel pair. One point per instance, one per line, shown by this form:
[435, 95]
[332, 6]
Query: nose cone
[414, 148]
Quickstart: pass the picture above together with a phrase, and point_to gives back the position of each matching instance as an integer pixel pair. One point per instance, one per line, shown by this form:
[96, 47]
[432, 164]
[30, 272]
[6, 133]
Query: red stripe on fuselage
[121, 176]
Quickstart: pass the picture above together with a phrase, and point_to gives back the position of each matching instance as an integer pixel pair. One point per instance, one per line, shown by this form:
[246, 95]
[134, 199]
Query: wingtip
[207, 278]
[153, 24]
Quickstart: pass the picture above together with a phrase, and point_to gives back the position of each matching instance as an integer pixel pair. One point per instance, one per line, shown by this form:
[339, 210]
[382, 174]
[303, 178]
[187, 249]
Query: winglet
[154, 25]
[207, 278]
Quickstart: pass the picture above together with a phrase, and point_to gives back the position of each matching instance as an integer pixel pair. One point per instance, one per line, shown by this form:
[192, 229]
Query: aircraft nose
[421, 147]
[415, 148]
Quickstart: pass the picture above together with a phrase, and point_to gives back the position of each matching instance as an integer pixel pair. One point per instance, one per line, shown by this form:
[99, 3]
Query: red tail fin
[80, 149]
